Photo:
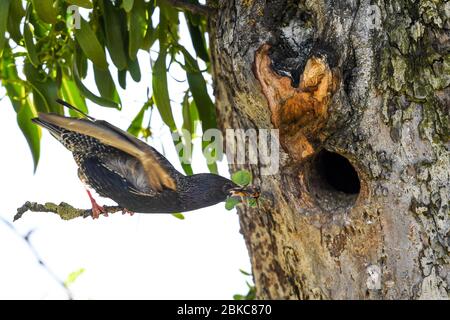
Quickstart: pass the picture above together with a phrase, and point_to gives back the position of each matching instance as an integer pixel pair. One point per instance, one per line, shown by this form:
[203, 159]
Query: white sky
[147, 256]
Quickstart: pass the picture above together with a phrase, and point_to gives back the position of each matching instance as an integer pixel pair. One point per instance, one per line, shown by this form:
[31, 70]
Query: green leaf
[73, 276]
[197, 85]
[30, 46]
[178, 216]
[10, 79]
[198, 39]
[16, 13]
[31, 131]
[105, 85]
[40, 29]
[168, 24]
[137, 26]
[150, 37]
[187, 168]
[190, 115]
[187, 133]
[245, 272]
[136, 125]
[242, 177]
[4, 10]
[90, 45]
[252, 202]
[187, 121]
[15, 89]
[230, 203]
[122, 77]
[151, 34]
[205, 106]
[127, 5]
[45, 89]
[114, 20]
[135, 70]
[212, 167]
[251, 294]
[82, 3]
[82, 64]
[45, 10]
[160, 91]
[71, 94]
[86, 92]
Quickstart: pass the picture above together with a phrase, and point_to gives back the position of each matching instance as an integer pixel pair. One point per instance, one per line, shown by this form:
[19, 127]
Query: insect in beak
[246, 192]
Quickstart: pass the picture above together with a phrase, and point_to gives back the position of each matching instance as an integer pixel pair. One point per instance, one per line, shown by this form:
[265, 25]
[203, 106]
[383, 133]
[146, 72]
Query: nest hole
[333, 181]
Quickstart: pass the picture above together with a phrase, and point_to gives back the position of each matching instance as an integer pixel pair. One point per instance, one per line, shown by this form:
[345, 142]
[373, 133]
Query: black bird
[127, 170]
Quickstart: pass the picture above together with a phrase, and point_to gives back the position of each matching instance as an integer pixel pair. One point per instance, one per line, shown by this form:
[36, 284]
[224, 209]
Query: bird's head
[206, 189]
[231, 189]
[210, 188]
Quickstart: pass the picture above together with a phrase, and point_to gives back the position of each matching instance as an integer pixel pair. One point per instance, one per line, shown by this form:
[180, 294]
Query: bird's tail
[47, 120]
[69, 106]
[54, 130]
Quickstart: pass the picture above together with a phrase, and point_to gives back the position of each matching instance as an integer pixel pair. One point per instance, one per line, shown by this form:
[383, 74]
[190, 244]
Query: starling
[125, 169]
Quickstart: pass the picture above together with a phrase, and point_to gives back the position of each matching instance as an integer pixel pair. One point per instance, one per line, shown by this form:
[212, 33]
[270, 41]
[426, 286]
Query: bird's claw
[97, 210]
[125, 211]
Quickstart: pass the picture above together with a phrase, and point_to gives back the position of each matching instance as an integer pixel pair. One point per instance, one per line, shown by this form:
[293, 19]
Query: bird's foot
[97, 210]
[125, 211]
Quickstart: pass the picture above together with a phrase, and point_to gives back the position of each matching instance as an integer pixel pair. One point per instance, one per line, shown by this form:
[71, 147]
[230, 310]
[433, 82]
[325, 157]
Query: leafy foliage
[251, 294]
[50, 57]
[242, 178]
[178, 216]
[231, 202]
[73, 276]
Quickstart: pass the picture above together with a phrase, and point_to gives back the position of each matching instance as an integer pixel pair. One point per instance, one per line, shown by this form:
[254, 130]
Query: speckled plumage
[120, 176]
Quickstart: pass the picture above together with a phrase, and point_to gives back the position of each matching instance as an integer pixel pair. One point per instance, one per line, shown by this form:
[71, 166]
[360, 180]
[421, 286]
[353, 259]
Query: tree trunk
[350, 86]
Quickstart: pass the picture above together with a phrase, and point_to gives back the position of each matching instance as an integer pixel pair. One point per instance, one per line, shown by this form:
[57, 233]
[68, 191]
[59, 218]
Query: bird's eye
[227, 187]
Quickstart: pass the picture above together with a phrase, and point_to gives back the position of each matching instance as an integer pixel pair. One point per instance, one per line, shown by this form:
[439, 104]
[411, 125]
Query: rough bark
[329, 77]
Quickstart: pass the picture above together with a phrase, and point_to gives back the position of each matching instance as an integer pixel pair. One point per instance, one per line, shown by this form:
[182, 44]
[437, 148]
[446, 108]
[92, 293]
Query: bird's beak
[245, 192]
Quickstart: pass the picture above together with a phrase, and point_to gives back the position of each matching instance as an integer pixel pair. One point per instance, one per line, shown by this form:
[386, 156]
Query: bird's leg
[96, 208]
[125, 211]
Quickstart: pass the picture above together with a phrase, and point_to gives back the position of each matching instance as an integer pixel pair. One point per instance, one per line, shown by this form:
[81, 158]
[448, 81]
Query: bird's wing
[130, 169]
[106, 133]
[109, 182]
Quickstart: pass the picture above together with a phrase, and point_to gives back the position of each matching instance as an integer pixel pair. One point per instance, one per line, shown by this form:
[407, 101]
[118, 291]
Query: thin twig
[64, 210]
[195, 8]
[39, 260]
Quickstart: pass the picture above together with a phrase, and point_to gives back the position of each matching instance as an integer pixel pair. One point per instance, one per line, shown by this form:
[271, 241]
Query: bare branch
[39, 260]
[64, 210]
[194, 8]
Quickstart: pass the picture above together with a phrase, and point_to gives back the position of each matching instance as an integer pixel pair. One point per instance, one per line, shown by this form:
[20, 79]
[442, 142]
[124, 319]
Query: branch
[195, 8]
[64, 210]
[39, 260]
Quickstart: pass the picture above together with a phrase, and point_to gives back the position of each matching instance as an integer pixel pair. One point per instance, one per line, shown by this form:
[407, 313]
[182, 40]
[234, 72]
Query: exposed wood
[300, 112]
